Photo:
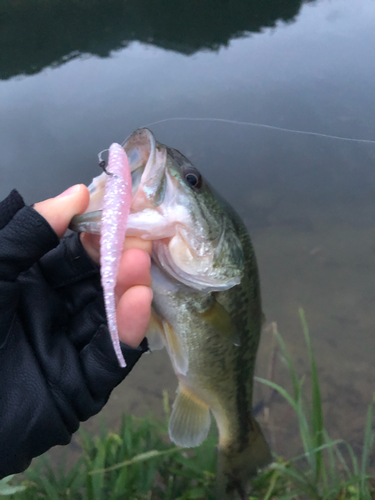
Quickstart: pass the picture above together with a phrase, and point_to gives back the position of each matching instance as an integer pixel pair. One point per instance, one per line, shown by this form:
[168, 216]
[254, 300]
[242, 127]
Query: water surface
[74, 79]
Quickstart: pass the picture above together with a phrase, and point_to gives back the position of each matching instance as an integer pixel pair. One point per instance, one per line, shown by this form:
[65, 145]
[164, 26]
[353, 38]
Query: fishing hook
[102, 163]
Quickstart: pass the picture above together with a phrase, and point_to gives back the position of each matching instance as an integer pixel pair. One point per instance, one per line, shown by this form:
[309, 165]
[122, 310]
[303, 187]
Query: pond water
[74, 78]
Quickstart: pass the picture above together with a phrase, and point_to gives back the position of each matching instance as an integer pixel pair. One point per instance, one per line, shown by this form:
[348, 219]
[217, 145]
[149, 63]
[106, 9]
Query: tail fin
[237, 464]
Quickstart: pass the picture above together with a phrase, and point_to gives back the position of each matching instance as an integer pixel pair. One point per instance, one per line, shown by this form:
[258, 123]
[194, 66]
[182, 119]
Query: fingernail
[70, 191]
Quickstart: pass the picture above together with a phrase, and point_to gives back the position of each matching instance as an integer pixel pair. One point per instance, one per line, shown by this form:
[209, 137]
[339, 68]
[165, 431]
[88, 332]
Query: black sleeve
[57, 364]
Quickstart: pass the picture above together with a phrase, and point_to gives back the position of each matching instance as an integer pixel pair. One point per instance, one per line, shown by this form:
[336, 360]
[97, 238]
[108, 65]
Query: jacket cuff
[23, 241]
[9, 207]
[142, 348]
[68, 263]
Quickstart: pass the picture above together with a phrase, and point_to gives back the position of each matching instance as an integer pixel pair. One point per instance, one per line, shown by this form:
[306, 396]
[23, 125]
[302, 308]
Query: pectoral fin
[155, 333]
[218, 317]
[176, 350]
[190, 420]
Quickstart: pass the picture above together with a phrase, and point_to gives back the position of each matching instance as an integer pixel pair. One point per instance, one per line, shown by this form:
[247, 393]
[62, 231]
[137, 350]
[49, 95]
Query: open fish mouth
[163, 210]
[147, 220]
[147, 165]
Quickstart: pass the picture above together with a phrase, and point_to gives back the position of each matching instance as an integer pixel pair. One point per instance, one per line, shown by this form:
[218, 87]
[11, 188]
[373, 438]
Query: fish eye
[193, 178]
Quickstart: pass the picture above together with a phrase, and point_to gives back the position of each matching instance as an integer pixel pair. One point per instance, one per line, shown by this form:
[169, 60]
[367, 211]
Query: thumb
[59, 211]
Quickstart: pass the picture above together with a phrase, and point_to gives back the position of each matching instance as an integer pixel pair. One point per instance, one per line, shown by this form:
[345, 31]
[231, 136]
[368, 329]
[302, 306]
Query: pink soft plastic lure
[116, 208]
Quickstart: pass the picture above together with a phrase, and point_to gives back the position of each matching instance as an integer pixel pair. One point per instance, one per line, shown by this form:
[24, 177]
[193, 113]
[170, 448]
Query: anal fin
[190, 421]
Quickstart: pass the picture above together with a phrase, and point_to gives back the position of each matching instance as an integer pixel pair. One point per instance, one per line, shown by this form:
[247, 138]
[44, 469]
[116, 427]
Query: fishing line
[262, 125]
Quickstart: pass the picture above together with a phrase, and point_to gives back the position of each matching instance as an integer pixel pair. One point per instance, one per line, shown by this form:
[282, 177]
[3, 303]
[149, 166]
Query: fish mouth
[147, 161]
[158, 213]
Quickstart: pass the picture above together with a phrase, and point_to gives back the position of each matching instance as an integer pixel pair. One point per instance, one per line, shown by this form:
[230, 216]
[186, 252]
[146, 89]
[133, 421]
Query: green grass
[139, 463]
[327, 470]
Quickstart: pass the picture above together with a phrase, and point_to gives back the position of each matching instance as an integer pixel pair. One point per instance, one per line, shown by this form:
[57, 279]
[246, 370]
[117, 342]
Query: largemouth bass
[207, 307]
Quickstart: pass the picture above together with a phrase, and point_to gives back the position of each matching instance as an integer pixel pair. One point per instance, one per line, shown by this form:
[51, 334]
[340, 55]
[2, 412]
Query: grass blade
[138, 458]
[317, 412]
[367, 445]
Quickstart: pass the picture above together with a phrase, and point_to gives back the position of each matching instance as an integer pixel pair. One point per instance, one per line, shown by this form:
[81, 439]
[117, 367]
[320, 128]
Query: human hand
[57, 363]
[133, 290]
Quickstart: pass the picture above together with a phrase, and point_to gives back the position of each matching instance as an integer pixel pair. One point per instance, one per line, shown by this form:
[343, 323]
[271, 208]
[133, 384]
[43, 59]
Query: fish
[206, 308]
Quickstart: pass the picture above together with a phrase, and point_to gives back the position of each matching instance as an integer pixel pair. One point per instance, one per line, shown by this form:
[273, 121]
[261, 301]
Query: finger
[134, 270]
[59, 211]
[91, 243]
[132, 242]
[133, 315]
